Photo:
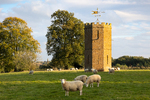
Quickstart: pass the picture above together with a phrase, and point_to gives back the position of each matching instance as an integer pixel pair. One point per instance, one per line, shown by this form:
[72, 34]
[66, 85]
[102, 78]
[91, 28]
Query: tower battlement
[103, 24]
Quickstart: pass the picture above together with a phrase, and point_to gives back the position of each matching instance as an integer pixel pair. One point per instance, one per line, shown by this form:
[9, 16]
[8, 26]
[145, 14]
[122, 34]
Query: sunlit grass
[43, 85]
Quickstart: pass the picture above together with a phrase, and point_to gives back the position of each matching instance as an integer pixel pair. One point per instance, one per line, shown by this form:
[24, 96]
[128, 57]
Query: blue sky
[130, 20]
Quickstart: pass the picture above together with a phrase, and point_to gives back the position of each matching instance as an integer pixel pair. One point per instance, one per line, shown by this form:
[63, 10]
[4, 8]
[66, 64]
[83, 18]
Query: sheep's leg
[80, 92]
[91, 85]
[97, 84]
[67, 93]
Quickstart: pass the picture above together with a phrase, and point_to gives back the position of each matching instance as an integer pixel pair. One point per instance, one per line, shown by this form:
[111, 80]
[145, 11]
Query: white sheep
[93, 78]
[31, 72]
[86, 70]
[47, 69]
[81, 78]
[59, 69]
[71, 86]
[76, 68]
[51, 69]
[111, 70]
[95, 71]
[118, 68]
[72, 68]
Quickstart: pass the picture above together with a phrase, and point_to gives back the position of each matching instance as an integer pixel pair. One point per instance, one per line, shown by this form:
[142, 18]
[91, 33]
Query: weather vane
[97, 14]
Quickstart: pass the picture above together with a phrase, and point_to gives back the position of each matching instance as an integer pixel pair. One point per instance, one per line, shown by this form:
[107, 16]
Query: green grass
[122, 85]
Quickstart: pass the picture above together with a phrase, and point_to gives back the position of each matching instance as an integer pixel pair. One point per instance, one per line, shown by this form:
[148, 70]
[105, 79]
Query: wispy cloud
[97, 2]
[129, 38]
[131, 16]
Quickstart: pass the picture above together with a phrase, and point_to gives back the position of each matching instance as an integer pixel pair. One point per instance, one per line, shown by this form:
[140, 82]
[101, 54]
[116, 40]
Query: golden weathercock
[97, 14]
[94, 12]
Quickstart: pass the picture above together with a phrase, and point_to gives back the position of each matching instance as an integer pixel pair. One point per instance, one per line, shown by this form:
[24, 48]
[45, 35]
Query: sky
[130, 21]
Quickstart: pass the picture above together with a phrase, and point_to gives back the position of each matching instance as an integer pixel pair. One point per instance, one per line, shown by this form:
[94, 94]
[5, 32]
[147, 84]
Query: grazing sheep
[95, 71]
[86, 70]
[76, 68]
[47, 69]
[111, 70]
[31, 72]
[51, 69]
[71, 86]
[118, 68]
[81, 78]
[72, 68]
[93, 78]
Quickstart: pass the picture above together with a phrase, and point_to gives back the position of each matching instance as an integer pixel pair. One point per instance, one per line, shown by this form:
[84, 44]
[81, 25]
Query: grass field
[122, 85]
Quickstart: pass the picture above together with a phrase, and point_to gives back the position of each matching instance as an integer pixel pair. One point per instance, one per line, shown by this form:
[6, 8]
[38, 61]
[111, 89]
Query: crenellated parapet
[102, 25]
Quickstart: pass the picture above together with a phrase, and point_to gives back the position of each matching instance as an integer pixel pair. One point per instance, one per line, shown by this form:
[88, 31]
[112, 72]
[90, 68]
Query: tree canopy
[15, 36]
[133, 61]
[65, 39]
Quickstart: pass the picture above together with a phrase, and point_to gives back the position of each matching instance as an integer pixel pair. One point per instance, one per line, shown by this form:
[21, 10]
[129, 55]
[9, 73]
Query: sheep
[115, 68]
[76, 68]
[72, 68]
[47, 69]
[95, 71]
[118, 68]
[81, 78]
[59, 69]
[31, 72]
[93, 78]
[51, 69]
[71, 86]
[111, 70]
[86, 70]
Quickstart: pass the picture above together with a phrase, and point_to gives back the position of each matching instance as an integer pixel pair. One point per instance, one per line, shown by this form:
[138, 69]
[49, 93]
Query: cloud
[147, 33]
[129, 38]
[9, 1]
[137, 46]
[96, 2]
[131, 16]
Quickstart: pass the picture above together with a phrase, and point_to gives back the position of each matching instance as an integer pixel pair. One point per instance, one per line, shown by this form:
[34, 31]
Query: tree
[134, 61]
[15, 36]
[65, 39]
[25, 60]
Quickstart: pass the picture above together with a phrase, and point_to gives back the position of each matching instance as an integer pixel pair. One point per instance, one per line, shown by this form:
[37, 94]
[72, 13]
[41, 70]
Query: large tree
[15, 36]
[65, 39]
[25, 60]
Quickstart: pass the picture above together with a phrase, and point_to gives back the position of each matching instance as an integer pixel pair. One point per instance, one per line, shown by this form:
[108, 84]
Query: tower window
[107, 59]
[88, 59]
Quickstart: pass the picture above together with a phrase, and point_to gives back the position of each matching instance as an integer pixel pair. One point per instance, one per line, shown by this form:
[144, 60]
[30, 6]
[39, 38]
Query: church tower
[98, 46]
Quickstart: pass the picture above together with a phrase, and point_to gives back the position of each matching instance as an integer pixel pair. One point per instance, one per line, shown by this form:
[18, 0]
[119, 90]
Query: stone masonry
[98, 46]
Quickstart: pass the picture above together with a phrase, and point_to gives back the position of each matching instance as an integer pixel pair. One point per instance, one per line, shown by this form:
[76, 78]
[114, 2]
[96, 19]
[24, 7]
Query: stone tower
[98, 46]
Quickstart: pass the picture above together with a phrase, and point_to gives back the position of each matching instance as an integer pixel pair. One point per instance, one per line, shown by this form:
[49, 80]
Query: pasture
[43, 85]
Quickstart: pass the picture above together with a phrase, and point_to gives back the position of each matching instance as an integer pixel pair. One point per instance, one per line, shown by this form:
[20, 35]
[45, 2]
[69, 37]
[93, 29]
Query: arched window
[107, 59]
[88, 59]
